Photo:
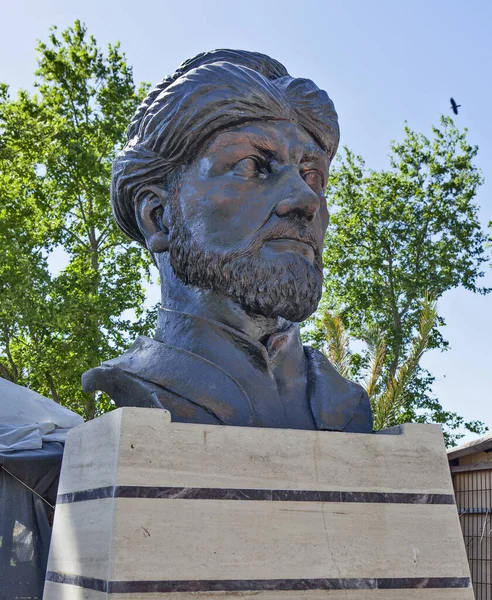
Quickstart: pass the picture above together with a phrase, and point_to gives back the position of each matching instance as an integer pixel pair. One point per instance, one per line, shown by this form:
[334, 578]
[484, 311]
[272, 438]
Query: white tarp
[27, 418]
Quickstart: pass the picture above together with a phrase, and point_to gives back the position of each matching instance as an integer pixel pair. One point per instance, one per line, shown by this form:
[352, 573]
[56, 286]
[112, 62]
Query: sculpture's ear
[150, 210]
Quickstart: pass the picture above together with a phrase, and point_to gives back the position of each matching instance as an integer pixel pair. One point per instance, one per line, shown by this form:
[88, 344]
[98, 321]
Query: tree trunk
[54, 393]
[14, 371]
[5, 373]
[90, 406]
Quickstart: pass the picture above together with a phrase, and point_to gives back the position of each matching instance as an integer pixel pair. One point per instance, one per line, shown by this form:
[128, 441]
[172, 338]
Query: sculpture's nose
[300, 200]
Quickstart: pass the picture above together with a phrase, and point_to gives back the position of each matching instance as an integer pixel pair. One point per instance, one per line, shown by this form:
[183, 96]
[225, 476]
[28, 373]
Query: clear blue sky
[382, 61]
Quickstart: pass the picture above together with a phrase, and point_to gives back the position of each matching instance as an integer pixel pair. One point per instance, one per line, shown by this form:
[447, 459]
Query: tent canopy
[32, 431]
[27, 419]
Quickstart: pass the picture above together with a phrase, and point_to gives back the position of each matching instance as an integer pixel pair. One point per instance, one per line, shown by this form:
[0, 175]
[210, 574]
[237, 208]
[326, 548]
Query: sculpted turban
[207, 94]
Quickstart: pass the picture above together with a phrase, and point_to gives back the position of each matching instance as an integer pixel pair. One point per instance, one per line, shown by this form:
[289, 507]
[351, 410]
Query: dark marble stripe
[305, 496]
[248, 585]
[92, 494]
[400, 583]
[233, 585]
[182, 493]
[88, 583]
[397, 498]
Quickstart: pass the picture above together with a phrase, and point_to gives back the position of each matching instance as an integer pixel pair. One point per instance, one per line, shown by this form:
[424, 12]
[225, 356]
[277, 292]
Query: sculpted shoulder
[337, 404]
[155, 375]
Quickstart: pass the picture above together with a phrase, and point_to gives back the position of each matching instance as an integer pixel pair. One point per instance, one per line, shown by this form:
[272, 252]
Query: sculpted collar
[272, 375]
[221, 344]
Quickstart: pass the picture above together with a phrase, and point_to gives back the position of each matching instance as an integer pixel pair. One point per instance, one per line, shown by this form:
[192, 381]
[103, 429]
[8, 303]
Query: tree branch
[53, 390]
[395, 313]
[14, 370]
[5, 373]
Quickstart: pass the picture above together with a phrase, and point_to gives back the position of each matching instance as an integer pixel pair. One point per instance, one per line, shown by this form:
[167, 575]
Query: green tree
[56, 150]
[395, 235]
[390, 395]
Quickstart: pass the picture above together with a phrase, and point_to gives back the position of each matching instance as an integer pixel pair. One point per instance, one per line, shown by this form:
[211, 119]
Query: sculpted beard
[289, 287]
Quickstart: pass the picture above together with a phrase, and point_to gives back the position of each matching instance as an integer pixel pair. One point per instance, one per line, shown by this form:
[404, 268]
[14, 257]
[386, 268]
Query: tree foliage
[337, 343]
[391, 401]
[396, 235]
[389, 397]
[56, 150]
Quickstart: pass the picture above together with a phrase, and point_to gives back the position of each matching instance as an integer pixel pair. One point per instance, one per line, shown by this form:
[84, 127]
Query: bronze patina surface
[222, 178]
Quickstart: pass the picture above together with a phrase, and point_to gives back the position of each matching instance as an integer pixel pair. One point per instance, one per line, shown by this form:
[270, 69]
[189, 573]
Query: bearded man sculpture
[222, 178]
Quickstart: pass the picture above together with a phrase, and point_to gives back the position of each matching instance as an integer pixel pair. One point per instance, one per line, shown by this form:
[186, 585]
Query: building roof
[482, 444]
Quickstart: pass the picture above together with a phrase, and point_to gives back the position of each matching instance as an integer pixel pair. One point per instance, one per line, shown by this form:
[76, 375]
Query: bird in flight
[454, 106]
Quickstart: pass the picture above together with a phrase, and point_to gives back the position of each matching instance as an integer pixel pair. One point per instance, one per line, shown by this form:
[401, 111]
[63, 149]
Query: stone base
[151, 509]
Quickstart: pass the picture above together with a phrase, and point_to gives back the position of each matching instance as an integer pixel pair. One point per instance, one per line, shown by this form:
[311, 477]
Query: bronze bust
[222, 178]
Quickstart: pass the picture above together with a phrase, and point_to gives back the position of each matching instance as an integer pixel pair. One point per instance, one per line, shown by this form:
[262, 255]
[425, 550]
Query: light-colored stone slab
[92, 459]
[284, 540]
[150, 449]
[81, 541]
[193, 456]
[374, 535]
[60, 591]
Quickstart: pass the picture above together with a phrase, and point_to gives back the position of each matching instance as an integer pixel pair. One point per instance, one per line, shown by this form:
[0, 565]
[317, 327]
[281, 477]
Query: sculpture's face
[250, 216]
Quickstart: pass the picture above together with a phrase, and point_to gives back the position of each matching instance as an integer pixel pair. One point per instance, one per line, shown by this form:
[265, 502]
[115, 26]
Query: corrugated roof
[481, 444]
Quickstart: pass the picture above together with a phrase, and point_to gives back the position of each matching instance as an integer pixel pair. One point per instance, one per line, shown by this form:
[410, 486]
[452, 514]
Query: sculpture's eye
[249, 167]
[315, 181]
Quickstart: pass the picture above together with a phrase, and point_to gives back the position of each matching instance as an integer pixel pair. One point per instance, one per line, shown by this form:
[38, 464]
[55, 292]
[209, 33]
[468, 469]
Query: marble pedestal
[151, 509]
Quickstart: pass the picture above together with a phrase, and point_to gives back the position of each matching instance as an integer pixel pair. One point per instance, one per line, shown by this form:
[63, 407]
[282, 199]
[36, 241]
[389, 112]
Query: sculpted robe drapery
[205, 372]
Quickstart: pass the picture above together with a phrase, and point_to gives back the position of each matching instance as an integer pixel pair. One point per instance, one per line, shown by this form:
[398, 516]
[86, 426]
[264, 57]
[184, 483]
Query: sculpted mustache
[282, 230]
